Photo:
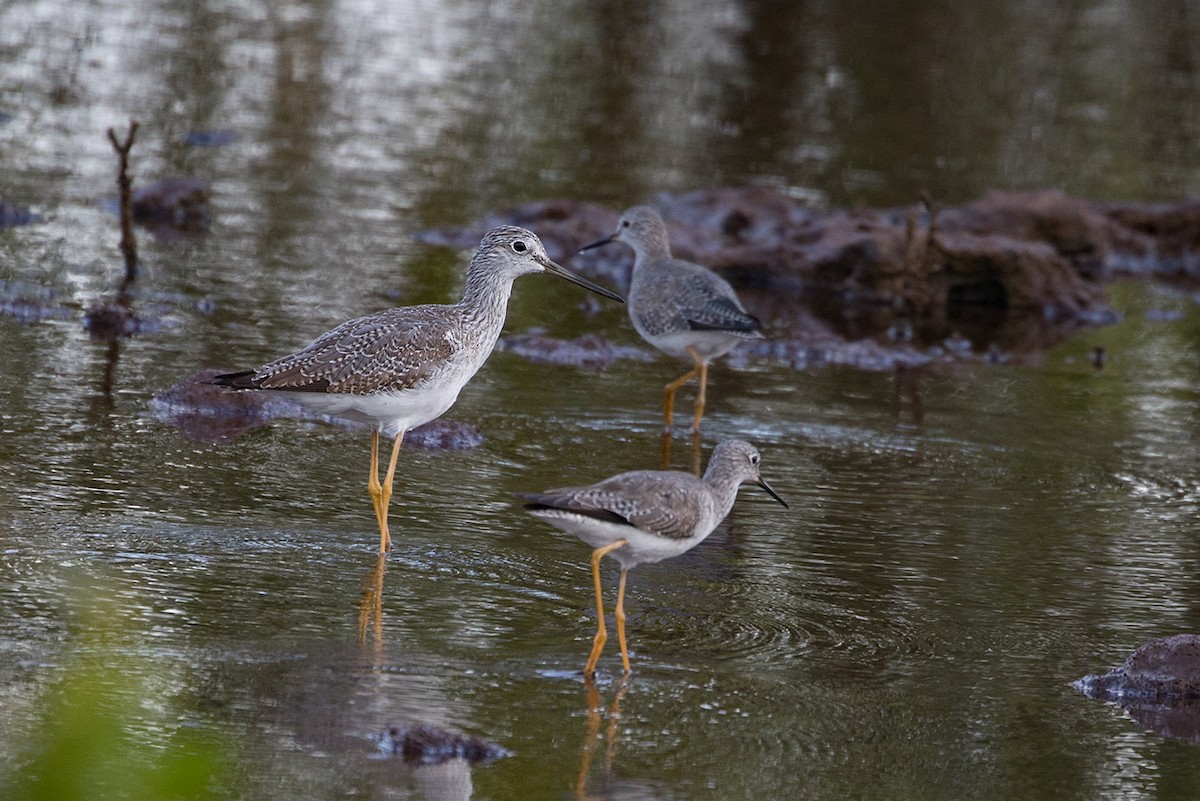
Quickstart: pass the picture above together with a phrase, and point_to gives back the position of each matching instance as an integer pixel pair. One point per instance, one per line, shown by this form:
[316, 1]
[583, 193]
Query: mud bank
[1001, 278]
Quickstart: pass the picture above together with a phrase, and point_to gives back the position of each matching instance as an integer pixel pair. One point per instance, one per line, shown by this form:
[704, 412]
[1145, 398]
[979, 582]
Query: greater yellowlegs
[683, 309]
[647, 516]
[402, 367]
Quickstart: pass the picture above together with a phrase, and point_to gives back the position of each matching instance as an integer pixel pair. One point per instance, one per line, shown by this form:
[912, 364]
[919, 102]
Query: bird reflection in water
[596, 713]
[665, 451]
[370, 605]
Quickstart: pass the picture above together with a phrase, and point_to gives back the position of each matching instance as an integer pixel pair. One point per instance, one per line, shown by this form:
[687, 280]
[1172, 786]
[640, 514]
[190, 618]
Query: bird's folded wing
[391, 350]
[643, 499]
[710, 304]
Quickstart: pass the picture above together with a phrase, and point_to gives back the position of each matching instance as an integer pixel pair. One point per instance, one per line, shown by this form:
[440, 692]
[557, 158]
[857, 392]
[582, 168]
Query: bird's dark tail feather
[242, 380]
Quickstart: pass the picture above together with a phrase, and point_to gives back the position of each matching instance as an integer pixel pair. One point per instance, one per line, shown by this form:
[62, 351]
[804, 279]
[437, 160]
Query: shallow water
[964, 540]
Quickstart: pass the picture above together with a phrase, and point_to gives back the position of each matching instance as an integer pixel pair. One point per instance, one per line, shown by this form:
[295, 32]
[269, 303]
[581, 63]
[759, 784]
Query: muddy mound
[208, 413]
[1166, 670]
[423, 744]
[1010, 274]
[1158, 686]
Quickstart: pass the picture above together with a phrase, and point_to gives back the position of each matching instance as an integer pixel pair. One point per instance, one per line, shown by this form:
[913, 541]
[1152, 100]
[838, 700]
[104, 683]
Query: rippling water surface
[964, 540]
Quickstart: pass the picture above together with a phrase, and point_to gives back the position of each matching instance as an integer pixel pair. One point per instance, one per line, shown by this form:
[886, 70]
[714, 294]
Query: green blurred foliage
[107, 732]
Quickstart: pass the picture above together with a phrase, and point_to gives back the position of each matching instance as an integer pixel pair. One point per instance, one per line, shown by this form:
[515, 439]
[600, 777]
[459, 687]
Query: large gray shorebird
[683, 309]
[402, 367]
[647, 516]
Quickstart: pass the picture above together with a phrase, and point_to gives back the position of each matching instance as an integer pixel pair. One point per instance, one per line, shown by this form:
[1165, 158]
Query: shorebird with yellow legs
[683, 309]
[402, 367]
[646, 516]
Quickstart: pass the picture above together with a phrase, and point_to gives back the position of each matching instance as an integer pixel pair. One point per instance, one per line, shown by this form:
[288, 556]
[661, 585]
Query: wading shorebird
[683, 309]
[402, 367]
[647, 516]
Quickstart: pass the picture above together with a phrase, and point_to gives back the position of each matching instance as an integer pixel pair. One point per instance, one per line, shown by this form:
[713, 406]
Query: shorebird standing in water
[683, 309]
[647, 516]
[402, 367]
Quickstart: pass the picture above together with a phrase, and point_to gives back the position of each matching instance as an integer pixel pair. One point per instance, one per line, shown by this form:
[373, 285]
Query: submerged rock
[208, 413]
[1158, 686]
[589, 351]
[30, 310]
[11, 215]
[115, 319]
[215, 137]
[31, 303]
[423, 744]
[179, 202]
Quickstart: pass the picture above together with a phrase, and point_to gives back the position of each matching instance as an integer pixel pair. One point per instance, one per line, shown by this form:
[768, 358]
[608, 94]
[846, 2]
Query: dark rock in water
[208, 413]
[113, 320]
[1166, 670]
[1158, 686]
[11, 215]
[178, 202]
[422, 744]
[30, 303]
[29, 310]
[444, 435]
[213, 138]
[589, 351]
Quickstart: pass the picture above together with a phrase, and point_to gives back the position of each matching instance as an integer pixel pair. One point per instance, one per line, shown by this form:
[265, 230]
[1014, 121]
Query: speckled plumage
[647, 516]
[400, 368]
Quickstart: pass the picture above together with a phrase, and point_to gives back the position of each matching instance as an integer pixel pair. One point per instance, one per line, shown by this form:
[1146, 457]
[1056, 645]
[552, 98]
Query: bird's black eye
[754, 459]
[519, 246]
[624, 223]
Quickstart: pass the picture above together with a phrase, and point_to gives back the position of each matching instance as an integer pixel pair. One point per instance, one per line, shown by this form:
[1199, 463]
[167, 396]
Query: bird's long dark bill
[762, 482]
[563, 272]
[596, 244]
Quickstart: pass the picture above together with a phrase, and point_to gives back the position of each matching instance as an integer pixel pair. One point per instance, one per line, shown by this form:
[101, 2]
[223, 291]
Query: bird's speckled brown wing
[390, 350]
[669, 504]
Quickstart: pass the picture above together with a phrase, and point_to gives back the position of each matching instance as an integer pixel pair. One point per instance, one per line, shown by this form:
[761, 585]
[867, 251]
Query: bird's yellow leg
[619, 614]
[385, 497]
[669, 394]
[373, 477]
[601, 632]
[702, 368]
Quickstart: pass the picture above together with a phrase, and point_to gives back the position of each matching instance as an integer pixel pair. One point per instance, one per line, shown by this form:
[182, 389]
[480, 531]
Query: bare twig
[125, 184]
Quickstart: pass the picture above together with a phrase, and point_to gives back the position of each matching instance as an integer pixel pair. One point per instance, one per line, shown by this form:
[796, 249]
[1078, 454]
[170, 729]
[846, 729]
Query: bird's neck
[724, 485]
[485, 300]
[647, 253]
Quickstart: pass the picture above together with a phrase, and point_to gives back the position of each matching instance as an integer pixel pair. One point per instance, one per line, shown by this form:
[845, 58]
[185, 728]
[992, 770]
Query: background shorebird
[683, 309]
[402, 367]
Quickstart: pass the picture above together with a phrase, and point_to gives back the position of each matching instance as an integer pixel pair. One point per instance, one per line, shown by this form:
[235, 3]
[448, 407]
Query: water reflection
[696, 440]
[596, 714]
[370, 606]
